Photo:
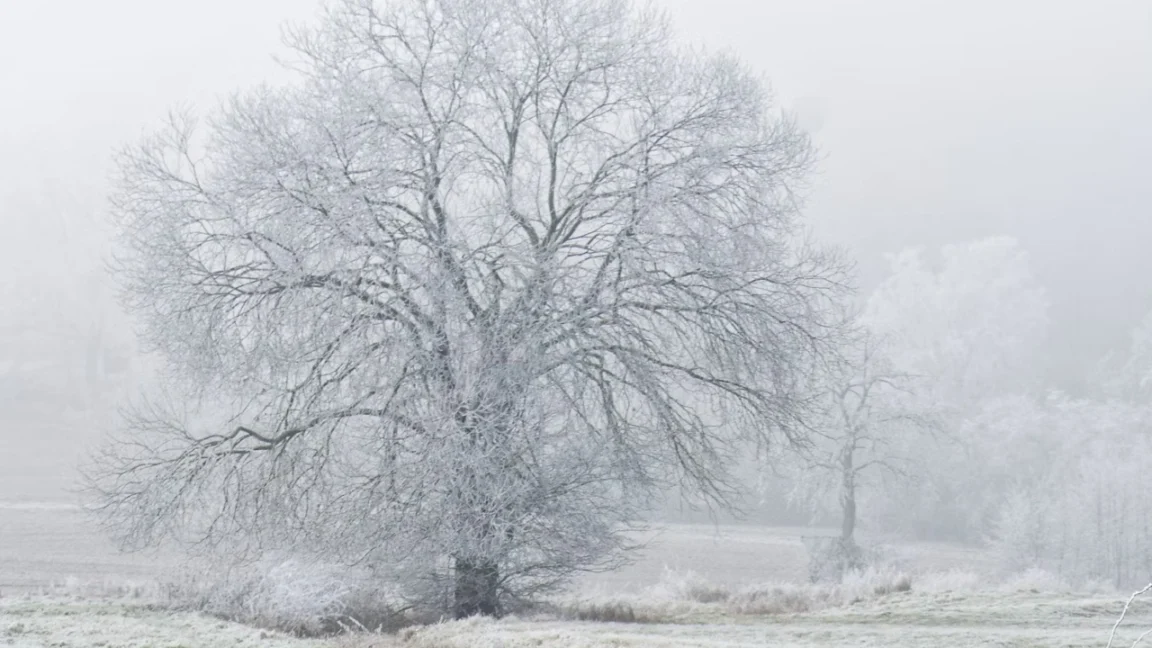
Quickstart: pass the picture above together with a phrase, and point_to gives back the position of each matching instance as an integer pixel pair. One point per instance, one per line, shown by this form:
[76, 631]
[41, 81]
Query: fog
[937, 122]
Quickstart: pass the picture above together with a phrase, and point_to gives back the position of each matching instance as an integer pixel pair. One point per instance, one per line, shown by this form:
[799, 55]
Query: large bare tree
[488, 277]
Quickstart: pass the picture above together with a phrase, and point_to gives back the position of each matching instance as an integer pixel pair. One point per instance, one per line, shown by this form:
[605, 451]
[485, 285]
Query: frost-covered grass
[1008, 613]
[684, 597]
[904, 620]
[688, 595]
[993, 617]
[871, 608]
[60, 585]
[40, 621]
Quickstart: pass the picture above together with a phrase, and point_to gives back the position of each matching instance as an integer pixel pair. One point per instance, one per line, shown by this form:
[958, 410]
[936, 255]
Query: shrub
[290, 595]
[688, 586]
[778, 599]
[605, 612]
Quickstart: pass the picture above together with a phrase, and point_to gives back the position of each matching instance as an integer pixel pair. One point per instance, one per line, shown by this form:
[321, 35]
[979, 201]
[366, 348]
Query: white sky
[941, 120]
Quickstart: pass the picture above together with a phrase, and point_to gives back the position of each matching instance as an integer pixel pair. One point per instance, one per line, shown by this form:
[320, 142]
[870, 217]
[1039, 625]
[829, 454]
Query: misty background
[938, 123]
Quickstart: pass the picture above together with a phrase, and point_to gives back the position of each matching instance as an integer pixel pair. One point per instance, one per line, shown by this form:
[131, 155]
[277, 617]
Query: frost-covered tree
[1139, 365]
[61, 339]
[874, 422]
[975, 320]
[485, 279]
[1075, 473]
[972, 325]
[1128, 375]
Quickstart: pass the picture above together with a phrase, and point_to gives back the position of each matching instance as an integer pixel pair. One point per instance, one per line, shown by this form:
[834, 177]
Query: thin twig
[1112, 636]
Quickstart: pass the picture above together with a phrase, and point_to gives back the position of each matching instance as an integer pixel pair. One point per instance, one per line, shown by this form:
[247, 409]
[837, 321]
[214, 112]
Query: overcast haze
[938, 122]
[447, 327]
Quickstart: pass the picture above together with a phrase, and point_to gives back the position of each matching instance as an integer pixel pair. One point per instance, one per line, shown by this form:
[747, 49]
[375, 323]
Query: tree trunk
[847, 496]
[848, 524]
[477, 585]
[848, 553]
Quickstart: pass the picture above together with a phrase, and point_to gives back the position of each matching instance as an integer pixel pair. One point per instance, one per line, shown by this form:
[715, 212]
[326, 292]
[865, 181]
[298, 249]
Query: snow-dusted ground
[992, 618]
[44, 545]
[901, 621]
[41, 622]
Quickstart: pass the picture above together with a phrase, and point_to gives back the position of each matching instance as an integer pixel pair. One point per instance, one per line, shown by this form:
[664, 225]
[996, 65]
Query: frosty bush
[291, 595]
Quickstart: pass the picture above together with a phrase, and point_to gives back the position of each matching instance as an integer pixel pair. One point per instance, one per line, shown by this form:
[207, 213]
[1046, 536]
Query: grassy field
[949, 603]
[905, 620]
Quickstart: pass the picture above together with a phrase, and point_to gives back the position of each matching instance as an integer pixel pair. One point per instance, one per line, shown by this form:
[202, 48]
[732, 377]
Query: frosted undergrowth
[871, 608]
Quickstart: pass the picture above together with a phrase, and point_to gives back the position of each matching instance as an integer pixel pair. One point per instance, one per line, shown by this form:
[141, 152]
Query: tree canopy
[459, 301]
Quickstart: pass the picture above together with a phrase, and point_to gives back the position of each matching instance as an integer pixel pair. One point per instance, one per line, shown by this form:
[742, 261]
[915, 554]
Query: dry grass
[605, 612]
[686, 596]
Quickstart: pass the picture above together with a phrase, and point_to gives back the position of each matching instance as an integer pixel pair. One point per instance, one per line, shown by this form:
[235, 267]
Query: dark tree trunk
[477, 589]
[849, 554]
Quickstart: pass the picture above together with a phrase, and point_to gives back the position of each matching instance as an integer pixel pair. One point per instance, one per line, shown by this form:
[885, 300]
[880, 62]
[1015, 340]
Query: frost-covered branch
[1124, 612]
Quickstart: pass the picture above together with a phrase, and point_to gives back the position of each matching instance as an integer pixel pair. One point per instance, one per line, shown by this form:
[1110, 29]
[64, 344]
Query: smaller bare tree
[871, 414]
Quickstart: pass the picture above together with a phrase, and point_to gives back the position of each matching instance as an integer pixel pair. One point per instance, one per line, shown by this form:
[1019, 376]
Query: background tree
[972, 324]
[462, 300]
[65, 349]
[1075, 472]
[873, 426]
[1128, 376]
[59, 324]
[975, 319]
